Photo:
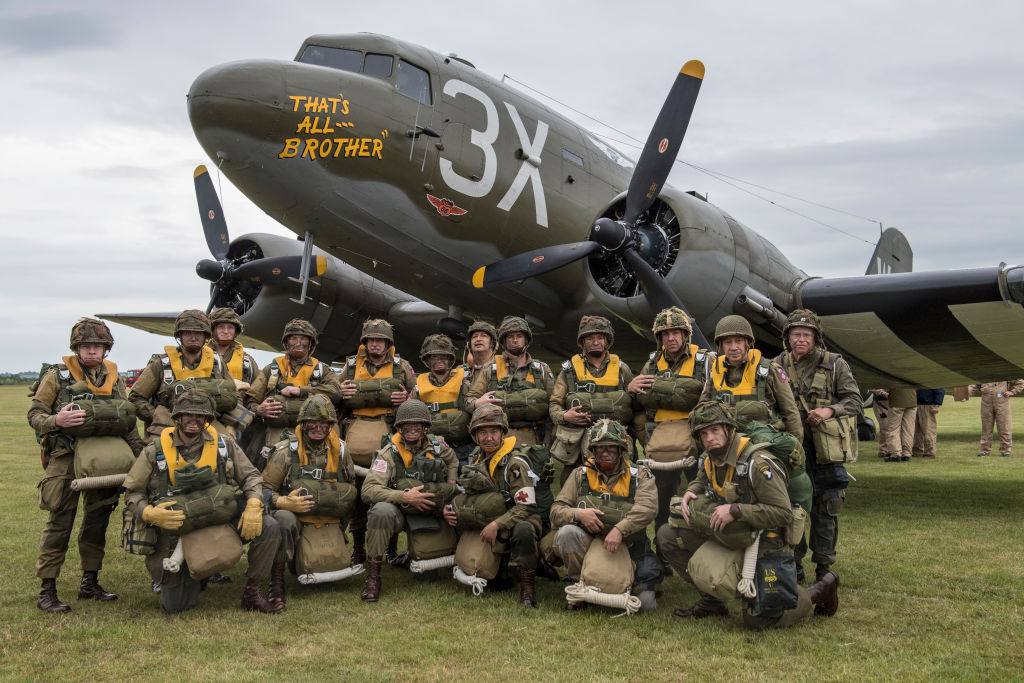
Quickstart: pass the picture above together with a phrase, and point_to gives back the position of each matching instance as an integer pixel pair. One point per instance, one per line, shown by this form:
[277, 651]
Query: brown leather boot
[91, 588]
[48, 600]
[824, 593]
[527, 596]
[371, 590]
[358, 547]
[277, 583]
[707, 606]
[253, 600]
[548, 570]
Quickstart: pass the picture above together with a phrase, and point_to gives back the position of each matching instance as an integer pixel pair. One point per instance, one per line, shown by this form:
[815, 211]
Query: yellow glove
[161, 516]
[293, 502]
[251, 524]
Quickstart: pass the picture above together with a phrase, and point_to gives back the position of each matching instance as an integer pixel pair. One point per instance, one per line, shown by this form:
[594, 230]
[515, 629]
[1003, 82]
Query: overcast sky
[908, 113]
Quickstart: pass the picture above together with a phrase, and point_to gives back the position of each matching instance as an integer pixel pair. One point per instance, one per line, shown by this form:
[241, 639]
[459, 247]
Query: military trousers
[899, 438]
[291, 529]
[98, 504]
[925, 433]
[523, 545]
[996, 409]
[881, 409]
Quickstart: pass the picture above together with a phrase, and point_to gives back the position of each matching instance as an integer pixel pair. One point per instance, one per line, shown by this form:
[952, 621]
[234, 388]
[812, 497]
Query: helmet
[803, 317]
[193, 402]
[488, 416]
[513, 323]
[299, 326]
[192, 320]
[91, 331]
[226, 315]
[440, 344]
[376, 327]
[483, 326]
[317, 407]
[672, 318]
[734, 325]
[595, 323]
[412, 410]
[606, 431]
[707, 413]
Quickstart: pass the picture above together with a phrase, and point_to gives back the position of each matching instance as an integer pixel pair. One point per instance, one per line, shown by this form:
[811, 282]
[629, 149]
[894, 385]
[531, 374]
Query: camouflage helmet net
[483, 326]
[193, 402]
[91, 331]
[299, 326]
[803, 317]
[513, 323]
[590, 324]
[672, 318]
[226, 315]
[488, 416]
[606, 431]
[734, 326]
[377, 328]
[192, 320]
[412, 410]
[317, 408]
[437, 344]
[708, 413]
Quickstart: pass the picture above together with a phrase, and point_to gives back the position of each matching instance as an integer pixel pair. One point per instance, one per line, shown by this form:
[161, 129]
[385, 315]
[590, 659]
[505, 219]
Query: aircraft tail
[892, 254]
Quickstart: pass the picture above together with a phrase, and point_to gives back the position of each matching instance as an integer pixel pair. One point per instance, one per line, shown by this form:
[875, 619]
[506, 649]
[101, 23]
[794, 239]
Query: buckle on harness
[589, 387]
[434, 407]
[315, 472]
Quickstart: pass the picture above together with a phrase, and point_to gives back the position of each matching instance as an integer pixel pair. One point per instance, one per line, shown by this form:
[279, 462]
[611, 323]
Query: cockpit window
[378, 65]
[413, 81]
[333, 57]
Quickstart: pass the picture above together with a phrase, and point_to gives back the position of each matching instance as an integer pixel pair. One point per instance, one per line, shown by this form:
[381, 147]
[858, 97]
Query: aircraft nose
[244, 97]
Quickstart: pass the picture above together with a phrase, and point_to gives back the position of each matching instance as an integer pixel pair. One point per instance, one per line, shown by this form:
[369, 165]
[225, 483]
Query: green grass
[930, 555]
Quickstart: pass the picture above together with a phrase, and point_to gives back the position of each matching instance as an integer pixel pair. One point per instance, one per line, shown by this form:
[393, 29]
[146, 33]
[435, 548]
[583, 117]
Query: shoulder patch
[567, 365]
[765, 471]
[782, 374]
[379, 465]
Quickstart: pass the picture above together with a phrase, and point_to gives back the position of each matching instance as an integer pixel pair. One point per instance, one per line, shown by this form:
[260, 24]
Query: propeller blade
[659, 295]
[210, 213]
[532, 263]
[662, 146]
[277, 269]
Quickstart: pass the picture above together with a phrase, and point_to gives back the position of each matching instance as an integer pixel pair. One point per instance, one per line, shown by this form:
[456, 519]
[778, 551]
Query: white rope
[106, 482]
[172, 564]
[420, 566]
[656, 466]
[581, 592]
[328, 577]
[477, 583]
[361, 471]
[746, 586]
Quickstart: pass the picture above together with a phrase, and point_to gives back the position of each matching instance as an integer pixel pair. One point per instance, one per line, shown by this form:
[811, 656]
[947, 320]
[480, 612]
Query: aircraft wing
[930, 329]
[163, 324]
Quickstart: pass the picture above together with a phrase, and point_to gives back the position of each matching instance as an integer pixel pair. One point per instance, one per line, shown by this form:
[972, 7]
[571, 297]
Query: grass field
[930, 555]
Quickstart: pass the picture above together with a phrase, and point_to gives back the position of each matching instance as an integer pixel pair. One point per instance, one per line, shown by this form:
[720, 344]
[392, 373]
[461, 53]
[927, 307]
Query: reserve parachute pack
[601, 397]
[291, 405]
[614, 506]
[448, 419]
[200, 492]
[749, 399]
[373, 395]
[481, 502]
[673, 395]
[430, 472]
[203, 378]
[524, 401]
[106, 414]
[331, 496]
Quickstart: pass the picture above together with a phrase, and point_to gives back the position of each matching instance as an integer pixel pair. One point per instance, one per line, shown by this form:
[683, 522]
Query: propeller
[229, 274]
[626, 237]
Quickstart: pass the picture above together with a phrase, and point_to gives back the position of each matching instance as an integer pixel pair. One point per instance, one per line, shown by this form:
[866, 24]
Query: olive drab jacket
[322, 380]
[277, 475]
[381, 481]
[645, 494]
[531, 371]
[844, 394]
[566, 381]
[147, 392]
[510, 471]
[780, 397]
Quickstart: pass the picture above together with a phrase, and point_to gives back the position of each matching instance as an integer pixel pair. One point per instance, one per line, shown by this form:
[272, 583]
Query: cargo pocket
[52, 492]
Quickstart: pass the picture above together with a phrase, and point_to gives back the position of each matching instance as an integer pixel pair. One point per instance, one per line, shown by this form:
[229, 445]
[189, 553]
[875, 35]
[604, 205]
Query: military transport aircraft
[463, 198]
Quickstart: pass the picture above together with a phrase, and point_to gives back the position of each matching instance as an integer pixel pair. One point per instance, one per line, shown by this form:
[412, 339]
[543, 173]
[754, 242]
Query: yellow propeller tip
[321, 264]
[694, 68]
[200, 170]
[478, 277]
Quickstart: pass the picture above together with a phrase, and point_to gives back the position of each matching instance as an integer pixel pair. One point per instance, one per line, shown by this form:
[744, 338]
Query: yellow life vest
[441, 399]
[362, 373]
[403, 450]
[105, 389]
[300, 378]
[174, 461]
[621, 488]
[202, 371]
[611, 373]
[600, 396]
[685, 370]
[501, 371]
[711, 470]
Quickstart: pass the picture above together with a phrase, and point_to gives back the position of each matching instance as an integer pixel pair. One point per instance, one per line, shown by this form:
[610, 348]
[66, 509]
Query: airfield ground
[931, 555]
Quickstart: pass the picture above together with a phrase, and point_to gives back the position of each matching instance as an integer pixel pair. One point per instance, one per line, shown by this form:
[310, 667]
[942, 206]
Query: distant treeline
[24, 378]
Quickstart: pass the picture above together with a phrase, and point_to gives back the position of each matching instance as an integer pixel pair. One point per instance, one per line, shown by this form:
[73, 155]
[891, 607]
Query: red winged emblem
[445, 207]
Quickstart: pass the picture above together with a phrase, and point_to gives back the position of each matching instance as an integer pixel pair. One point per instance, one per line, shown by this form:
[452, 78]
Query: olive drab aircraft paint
[431, 194]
